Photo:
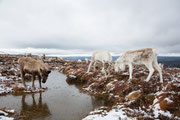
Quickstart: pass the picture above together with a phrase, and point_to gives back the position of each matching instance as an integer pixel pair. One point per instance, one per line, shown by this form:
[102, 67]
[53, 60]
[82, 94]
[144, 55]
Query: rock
[66, 69]
[87, 76]
[134, 95]
[15, 88]
[79, 73]
[109, 86]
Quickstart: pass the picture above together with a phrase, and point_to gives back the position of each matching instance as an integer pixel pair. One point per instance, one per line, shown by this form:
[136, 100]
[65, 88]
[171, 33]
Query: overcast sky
[83, 26]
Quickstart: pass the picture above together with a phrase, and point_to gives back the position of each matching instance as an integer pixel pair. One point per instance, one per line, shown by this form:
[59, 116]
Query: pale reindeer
[146, 56]
[42, 57]
[61, 58]
[28, 54]
[79, 60]
[103, 57]
[87, 60]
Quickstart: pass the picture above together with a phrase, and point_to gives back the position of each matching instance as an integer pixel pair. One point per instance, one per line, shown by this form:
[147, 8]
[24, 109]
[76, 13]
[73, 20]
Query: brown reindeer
[34, 67]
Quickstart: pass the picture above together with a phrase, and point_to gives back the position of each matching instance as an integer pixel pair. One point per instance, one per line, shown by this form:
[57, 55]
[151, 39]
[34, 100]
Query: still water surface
[60, 102]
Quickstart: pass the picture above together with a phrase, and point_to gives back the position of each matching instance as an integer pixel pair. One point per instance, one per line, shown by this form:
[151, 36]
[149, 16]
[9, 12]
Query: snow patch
[114, 114]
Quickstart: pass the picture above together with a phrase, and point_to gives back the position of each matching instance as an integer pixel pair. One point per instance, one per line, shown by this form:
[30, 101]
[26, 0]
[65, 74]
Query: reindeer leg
[39, 77]
[151, 71]
[109, 67]
[89, 66]
[95, 66]
[156, 66]
[22, 78]
[130, 71]
[33, 78]
[103, 69]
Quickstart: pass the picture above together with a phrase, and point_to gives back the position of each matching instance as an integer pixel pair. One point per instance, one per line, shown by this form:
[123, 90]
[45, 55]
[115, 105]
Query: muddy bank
[130, 100]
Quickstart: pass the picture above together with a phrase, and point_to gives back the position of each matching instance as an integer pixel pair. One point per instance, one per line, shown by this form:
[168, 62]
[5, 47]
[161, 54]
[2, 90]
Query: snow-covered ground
[5, 89]
[4, 114]
[114, 114]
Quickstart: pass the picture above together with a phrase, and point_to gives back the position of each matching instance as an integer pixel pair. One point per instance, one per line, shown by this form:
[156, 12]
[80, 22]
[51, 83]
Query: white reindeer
[146, 56]
[28, 54]
[61, 58]
[79, 60]
[42, 57]
[87, 60]
[103, 57]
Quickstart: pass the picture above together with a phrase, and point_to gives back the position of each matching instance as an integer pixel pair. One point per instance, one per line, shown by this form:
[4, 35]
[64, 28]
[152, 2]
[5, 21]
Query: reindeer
[146, 56]
[103, 57]
[28, 54]
[34, 67]
[87, 60]
[61, 58]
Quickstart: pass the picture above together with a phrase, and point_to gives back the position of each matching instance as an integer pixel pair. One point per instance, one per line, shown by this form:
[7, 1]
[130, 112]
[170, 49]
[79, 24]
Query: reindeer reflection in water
[34, 110]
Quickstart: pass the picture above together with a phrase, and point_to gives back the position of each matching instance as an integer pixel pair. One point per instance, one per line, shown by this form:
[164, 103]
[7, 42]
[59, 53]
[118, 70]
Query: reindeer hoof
[146, 80]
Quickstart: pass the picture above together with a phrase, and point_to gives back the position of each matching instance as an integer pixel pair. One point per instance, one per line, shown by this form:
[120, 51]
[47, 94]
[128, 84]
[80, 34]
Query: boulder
[134, 95]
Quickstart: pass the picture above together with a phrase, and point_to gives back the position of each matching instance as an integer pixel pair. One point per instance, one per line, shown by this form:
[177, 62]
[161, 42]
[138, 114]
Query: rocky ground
[136, 99]
[7, 114]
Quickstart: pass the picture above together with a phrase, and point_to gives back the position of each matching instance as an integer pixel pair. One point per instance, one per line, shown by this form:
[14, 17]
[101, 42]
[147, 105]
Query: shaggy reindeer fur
[146, 56]
[34, 67]
[103, 57]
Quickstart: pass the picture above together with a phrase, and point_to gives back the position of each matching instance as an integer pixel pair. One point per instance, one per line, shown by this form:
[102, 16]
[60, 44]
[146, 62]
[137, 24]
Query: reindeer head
[119, 65]
[44, 75]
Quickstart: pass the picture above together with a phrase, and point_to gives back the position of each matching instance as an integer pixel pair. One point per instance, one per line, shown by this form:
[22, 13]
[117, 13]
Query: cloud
[89, 25]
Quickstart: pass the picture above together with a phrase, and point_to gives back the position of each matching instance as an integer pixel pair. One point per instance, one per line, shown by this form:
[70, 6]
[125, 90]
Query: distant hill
[1, 52]
[169, 61]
